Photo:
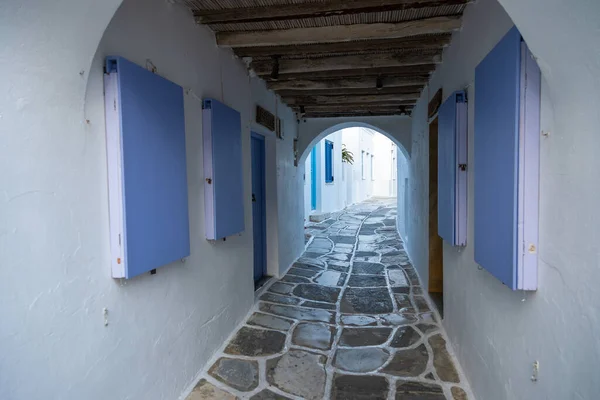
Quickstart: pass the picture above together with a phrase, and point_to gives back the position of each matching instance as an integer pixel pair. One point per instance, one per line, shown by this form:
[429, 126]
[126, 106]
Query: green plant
[347, 155]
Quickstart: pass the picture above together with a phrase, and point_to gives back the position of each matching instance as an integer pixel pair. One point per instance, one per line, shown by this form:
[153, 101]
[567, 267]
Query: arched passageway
[378, 164]
[51, 215]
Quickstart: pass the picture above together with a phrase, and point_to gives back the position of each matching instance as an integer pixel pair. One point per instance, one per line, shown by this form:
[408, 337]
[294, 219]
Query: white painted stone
[329, 278]
[397, 277]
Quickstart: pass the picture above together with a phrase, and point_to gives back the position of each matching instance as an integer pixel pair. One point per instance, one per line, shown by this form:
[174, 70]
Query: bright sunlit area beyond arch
[349, 166]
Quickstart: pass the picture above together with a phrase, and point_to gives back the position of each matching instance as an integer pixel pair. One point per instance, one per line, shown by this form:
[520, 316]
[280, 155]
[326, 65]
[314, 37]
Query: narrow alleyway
[348, 321]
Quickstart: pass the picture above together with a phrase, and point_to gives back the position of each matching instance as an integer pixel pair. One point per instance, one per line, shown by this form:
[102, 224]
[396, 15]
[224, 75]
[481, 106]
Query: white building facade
[372, 173]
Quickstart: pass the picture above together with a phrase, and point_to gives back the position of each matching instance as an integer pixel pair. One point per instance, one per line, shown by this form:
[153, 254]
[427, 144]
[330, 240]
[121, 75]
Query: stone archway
[310, 132]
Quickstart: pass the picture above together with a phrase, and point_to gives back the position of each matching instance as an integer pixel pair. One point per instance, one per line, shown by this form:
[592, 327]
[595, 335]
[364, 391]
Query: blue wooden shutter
[452, 172]
[224, 182]
[504, 132]
[328, 161]
[147, 169]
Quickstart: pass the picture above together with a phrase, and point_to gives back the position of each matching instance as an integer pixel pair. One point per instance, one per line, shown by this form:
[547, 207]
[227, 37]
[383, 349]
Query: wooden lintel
[357, 106]
[312, 110]
[348, 83]
[350, 92]
[313, 10]
[338, 63]
[349, 99]
[308, 50]
[338, 33]
[413, 71]
[357, 114]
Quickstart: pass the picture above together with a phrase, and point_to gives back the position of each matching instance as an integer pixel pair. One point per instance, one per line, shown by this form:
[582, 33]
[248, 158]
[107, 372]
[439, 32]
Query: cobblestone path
[348, 321]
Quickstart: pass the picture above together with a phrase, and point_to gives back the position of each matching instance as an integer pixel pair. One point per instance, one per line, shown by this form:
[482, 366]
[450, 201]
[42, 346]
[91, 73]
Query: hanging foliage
[347, 155]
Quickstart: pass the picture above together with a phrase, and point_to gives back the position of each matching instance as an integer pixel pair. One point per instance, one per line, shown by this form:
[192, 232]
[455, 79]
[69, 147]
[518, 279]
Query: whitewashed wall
[498, 334]
[384, 151]
[54, 216]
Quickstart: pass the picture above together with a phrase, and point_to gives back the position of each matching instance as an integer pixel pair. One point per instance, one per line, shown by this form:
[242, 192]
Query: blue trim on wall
[328, 161]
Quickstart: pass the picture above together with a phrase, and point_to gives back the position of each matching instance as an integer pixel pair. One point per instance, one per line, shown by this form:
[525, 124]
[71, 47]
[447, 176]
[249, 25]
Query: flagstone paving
[348, 321]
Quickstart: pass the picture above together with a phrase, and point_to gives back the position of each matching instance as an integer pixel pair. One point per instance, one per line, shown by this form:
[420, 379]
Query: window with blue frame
[328, 161]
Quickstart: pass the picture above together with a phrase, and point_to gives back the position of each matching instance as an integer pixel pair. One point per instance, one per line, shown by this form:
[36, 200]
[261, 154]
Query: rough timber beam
[357, 106]
[313, 10]
[413, 71]
[347, 83]
[306, 50]
[309, 65]
[309, 100]
[338, 33]
[350, 92]
[356, 114]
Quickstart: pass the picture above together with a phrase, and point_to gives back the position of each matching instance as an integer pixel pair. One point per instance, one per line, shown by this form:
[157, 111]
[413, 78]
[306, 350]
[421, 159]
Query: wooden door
[258, 207]
[436, 270]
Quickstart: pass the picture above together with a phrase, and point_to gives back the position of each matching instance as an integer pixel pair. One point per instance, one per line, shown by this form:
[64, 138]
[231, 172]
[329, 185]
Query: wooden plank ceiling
[329, 58]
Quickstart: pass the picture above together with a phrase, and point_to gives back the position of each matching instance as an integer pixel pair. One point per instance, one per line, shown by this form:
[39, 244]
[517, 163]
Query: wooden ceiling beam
[313, 10]
[306, 50]
[356, 114]
[308, 100]
[309, 110]
[337, 63]
[347, 83]
[357, 106]
[338, 33]
[413, 71]
[350, 92]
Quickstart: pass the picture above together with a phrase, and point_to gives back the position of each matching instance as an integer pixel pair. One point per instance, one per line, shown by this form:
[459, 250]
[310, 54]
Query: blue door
[313, 179]
[258, 206]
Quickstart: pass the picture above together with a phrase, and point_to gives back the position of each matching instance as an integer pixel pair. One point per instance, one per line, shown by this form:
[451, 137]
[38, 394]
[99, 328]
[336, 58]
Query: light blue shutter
[452, 171]
[152, 196]
[502, 148]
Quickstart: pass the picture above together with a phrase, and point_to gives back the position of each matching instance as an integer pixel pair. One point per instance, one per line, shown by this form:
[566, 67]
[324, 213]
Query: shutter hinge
[115, 104]
[462, 167]
[119, 239]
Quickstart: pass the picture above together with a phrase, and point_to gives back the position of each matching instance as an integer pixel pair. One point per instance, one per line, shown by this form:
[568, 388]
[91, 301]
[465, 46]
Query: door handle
[253, 198]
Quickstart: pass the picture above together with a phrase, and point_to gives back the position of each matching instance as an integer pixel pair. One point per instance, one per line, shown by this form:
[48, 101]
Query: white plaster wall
[54, 217]
[402, 195]
[384, 152]
[284, 183]
[498, 333]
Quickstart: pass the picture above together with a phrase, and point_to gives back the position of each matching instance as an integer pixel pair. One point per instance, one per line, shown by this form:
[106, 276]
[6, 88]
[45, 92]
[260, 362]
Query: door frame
[263, 221]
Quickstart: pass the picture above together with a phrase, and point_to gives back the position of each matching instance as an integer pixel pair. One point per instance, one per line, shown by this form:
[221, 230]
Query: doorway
[259, 209]
[436, 259]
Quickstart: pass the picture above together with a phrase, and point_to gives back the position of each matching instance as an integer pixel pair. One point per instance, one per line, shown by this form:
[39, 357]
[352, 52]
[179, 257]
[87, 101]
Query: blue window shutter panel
[446, 170]
[497, 102]
[153, 169]
[328, 161]
[223, 169]
[452, 183]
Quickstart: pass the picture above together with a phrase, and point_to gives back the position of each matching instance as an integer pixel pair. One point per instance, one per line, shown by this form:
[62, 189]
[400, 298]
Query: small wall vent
[265, 118]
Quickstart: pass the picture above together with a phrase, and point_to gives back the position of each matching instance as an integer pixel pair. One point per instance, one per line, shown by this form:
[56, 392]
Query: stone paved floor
[348, 321]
